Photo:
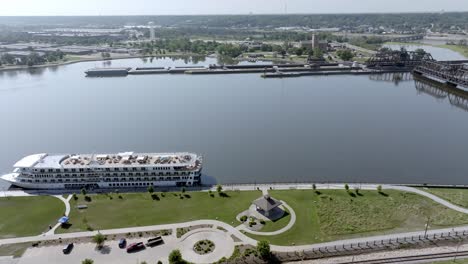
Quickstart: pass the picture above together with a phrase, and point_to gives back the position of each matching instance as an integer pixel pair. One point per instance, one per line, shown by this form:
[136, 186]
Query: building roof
[267, 203]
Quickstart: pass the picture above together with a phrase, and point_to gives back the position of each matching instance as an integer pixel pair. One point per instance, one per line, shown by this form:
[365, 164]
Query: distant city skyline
[211, 7]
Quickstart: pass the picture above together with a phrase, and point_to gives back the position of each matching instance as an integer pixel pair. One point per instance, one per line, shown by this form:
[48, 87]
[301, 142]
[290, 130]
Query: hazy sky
[169, 7]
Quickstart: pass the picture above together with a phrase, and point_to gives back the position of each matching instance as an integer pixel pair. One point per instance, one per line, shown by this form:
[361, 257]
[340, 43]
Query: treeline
[32, 59]
[402, 21]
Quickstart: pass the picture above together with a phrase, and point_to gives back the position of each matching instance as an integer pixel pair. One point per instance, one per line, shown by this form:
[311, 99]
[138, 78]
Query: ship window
[73, 170]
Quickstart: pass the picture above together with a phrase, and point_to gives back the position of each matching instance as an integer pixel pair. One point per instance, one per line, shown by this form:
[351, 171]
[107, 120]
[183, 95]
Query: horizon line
[244, 14]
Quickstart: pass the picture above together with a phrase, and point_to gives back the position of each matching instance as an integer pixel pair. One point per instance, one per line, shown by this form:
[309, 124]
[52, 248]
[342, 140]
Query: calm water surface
[249, 129]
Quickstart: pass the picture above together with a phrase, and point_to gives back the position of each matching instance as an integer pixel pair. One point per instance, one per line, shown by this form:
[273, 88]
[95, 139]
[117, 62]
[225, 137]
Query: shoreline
[24, 67]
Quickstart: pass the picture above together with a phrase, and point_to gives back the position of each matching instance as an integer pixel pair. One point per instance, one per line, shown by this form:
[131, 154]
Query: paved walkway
[67, 212]
[277, 232]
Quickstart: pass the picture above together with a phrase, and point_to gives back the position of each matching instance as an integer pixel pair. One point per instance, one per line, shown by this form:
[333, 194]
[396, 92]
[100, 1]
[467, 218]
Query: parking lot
[110, 253]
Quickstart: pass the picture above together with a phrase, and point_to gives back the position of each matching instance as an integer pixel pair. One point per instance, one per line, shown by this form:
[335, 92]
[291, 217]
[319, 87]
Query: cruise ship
[92, 171]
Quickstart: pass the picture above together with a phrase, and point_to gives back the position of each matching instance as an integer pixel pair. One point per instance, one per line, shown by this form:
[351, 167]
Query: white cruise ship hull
[106, 171]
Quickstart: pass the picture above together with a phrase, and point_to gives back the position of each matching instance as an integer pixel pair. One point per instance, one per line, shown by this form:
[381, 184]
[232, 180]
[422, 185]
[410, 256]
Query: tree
[263, 248]
[318, 53]
[183, 189]
[99, 239]
[150, 189]
[346, 186]
[87, 261]
[219, 188]
[345, 55]
[159, 262]
[83, 191]
[379, 189]
[175, 257]
[314, 187]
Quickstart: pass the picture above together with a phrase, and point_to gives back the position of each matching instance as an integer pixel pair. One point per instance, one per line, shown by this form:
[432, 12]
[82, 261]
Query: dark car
[135, 247]
[154, 241]
[67, 249]
[122, 243]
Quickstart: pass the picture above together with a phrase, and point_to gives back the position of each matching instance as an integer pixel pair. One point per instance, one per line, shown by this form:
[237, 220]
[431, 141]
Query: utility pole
[427, 226]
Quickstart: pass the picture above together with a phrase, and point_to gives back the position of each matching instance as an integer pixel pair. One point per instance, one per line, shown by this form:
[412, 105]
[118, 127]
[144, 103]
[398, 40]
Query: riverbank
[326, 214]
[90, 58]
[462, 50]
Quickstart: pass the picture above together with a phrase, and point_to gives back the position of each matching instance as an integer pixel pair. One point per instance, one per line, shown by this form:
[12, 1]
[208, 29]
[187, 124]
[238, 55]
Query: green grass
[336, 215]
[139, 209]
[15, 250]
[278, 224]
[455, 196]
[27, 216]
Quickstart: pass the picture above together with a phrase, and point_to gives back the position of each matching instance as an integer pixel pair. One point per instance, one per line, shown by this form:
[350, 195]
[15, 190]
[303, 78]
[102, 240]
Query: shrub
[262, 222]
[175, 257]
[219, 188]
[150, 189]
[87, 261]
[379, 189]
[263, 248]
[99, 239]
[243, 218]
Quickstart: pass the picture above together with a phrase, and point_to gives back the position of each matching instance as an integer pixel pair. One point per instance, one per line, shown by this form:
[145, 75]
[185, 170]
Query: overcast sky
[171, 7]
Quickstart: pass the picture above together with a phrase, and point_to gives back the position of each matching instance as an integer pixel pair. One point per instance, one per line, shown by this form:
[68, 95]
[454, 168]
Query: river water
[249, 129]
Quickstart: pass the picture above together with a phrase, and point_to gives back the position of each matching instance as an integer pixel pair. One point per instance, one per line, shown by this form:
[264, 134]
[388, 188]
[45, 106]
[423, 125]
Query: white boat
[121, 170]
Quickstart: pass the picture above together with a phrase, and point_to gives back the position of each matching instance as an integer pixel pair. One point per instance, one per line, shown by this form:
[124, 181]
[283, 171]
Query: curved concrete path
[291, 223]
[224, 245]
[67, 212]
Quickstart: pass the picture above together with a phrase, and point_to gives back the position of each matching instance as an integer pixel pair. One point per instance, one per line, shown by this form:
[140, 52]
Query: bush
[175, 257]
[99, 239]
[262, 222]
[263, 248]
[87, 261]
[379, 189]
[243, 218]
[150, 189]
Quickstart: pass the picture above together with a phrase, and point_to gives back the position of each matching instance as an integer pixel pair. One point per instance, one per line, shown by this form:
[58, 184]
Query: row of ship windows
[109, 174]
[109, 180]
[103, 169]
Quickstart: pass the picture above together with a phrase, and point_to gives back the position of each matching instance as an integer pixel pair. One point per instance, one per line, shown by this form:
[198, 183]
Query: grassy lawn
[27, 216]
[139, 209]
[336, 215]
[455, 196]
[458, 261]
[278, 224]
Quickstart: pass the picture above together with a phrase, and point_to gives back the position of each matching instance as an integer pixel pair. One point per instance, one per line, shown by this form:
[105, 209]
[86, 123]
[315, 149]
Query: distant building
[152, 32]
[314, 43]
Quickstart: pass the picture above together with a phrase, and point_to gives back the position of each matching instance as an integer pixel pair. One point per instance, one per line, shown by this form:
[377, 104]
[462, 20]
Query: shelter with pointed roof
[266, 204]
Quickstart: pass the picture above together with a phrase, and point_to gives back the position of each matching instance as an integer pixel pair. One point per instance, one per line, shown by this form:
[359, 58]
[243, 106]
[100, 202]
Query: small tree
[99, 239]
[356, 189]
[83, 191]
[219, 188]
[263, 248]
[87, 261]
[159, 262]
[314, 187]
[183, 189]
[379, 188]
[150, 189]
[175, 257]
[346, 186]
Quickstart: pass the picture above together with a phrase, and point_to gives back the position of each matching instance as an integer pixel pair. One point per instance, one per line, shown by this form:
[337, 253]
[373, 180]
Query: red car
[135, 246]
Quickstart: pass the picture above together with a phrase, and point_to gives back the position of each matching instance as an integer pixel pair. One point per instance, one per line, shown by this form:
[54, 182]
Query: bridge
[407, 38]
[455, 74]
[398, 58]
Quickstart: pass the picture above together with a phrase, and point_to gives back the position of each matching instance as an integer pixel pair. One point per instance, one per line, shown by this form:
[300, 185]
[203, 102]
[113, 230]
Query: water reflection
[441, 92]
[395, 78]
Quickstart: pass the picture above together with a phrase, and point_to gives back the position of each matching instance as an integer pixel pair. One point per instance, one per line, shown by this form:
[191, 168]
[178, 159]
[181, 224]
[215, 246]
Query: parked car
[135, 246]
[122, 243]
[154, 241]
[67, 249]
